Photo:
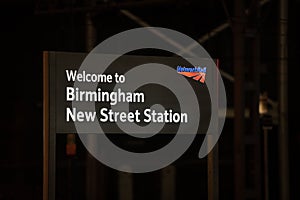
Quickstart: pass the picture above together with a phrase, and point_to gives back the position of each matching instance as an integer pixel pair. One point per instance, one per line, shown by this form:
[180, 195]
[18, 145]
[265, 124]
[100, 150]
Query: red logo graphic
[196, 73]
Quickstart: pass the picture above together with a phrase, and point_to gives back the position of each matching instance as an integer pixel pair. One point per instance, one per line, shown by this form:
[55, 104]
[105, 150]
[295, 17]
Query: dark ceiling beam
[107, 7]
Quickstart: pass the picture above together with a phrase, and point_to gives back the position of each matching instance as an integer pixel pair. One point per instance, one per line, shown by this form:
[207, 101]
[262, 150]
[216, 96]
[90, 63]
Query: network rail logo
[197, 73]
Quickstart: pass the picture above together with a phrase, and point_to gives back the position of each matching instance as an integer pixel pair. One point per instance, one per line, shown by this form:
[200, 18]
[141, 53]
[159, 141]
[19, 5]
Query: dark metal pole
[283, 101]
[239, 100]
[94, 173]
[213, 173]
[253, 27]
[90, 33]
[266, 163]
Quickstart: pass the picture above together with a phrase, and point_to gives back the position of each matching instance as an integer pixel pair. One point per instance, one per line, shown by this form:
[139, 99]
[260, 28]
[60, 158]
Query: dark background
[26, 33]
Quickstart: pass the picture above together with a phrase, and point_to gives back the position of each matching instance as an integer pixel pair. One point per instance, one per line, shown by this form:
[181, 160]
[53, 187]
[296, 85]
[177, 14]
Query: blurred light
[71, 145]
[263, 103]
